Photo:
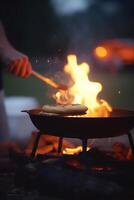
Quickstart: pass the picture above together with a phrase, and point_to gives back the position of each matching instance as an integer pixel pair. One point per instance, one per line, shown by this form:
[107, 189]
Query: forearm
[7, 52]
[17, 62]
[3, 38]
[4, 43]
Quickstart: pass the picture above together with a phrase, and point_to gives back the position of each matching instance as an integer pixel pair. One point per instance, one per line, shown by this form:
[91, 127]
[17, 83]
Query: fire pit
[86, 173]
[100, 121]
[119, 122]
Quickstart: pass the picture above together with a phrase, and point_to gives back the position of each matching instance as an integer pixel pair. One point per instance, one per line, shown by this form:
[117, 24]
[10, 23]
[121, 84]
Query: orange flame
[75, 150]
[83, 91]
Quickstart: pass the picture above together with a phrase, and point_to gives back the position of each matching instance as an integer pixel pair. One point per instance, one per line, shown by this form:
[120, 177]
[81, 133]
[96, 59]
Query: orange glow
[127, 54]
[72, 151]
[83, 91]
[101, 52]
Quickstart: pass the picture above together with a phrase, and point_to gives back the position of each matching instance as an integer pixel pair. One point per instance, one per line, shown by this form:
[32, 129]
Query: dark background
[36, 29]
[46, 36]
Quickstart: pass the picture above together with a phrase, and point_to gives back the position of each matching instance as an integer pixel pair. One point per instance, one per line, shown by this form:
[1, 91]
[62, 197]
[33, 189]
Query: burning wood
[119, 151]
[72, 151]
[47, 144]
[122, 152]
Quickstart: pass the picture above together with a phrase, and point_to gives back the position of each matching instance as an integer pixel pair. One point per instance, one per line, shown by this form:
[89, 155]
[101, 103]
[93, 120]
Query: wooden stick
[49, 81]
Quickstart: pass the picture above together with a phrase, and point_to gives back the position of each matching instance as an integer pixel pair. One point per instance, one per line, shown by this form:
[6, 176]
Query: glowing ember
[83, 91]
[72, 151]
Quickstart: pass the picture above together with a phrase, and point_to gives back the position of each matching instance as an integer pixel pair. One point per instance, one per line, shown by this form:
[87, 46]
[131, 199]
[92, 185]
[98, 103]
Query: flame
[83, 91]
[72, 151]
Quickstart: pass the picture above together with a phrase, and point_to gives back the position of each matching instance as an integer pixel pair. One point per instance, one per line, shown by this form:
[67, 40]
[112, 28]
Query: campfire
[100, 120]
[52, 165]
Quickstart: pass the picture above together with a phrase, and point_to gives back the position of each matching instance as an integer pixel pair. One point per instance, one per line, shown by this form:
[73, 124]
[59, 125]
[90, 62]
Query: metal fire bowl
[119, 122]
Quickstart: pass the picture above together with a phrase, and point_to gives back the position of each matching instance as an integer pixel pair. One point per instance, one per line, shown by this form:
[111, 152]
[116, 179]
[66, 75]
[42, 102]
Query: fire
[83, 91]
[72, 151]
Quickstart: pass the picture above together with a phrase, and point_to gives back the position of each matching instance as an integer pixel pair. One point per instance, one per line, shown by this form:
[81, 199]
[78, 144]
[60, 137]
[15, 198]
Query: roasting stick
[49, 81]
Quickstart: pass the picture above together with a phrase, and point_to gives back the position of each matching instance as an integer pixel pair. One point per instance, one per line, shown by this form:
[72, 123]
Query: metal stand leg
[84, 145]
[35, 145]
[60, 145]
[131, 143]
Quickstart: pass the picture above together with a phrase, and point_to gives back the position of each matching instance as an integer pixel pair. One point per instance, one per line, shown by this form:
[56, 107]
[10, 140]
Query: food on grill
[71, 109]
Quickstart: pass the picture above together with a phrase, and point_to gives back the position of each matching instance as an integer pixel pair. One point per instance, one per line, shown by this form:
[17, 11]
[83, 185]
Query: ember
[71, 151]
[47, 144]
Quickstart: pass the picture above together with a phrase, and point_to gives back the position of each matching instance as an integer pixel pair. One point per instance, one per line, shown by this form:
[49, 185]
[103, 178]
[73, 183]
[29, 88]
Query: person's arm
[16, 62]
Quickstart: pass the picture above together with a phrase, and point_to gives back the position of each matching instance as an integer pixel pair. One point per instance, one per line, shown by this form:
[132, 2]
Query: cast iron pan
[119, 122]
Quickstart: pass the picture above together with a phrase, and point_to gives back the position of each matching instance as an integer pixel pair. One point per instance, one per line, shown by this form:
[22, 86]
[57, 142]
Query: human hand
[17, 63]
[20, 67]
